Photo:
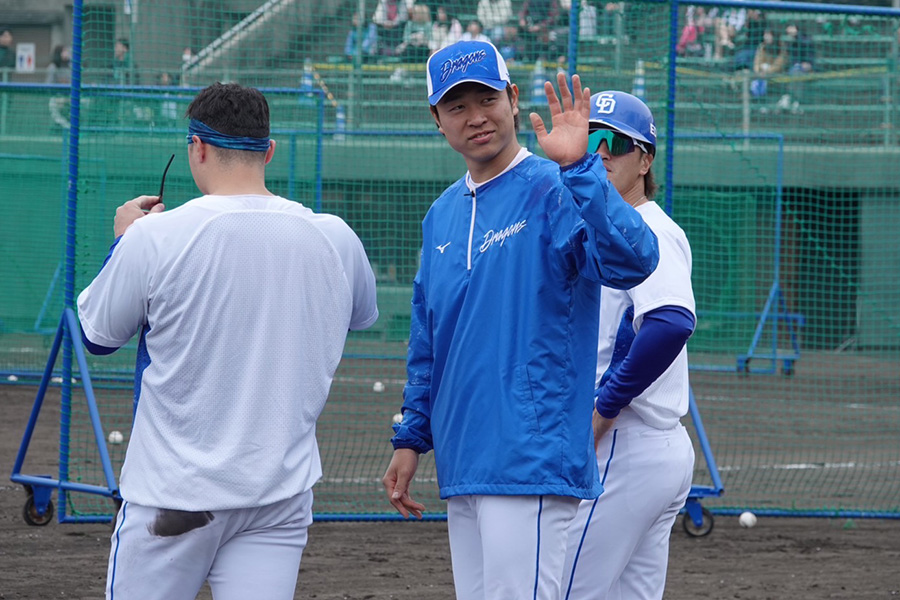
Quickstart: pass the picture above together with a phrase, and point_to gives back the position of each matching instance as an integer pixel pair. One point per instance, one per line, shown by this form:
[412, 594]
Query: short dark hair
[232, 109]
[124, 42]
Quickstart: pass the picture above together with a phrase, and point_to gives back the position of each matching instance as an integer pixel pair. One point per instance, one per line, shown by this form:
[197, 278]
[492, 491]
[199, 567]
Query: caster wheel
[693, 530]
[31, 515]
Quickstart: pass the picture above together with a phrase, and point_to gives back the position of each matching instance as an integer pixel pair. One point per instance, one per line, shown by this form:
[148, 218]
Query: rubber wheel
[706, 525]
[31, 515]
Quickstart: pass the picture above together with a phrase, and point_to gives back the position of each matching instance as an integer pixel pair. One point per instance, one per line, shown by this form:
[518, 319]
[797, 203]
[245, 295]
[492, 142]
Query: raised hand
[569, 113]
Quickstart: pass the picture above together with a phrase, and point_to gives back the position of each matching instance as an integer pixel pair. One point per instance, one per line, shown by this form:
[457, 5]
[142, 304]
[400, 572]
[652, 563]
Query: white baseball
[747, 519]
[398, 418]
[12, 378]
[116, 437]
[378, 387]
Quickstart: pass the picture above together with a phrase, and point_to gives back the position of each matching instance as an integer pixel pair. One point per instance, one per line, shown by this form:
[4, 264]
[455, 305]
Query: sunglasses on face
[618, 144]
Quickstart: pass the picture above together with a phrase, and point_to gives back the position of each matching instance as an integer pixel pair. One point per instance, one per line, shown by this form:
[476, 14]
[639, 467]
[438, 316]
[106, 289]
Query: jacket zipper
[471, 233]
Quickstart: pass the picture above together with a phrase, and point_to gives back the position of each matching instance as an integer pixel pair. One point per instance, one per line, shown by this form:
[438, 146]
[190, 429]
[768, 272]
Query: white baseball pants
[244, 553]
[508, 547]
[619, 544]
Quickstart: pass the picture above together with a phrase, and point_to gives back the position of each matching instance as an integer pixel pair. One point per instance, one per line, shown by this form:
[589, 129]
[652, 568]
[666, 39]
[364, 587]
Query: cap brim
[497, 84]
[632, 133]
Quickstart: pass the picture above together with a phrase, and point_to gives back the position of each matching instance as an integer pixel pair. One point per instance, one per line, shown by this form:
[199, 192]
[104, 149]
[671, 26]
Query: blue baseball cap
[478, 62]
[624, 113]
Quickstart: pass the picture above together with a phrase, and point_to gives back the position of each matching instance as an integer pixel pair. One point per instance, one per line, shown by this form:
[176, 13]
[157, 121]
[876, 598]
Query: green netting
[782, 176]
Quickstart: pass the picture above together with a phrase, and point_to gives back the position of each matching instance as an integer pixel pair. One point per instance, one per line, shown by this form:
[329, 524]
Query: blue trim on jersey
[587, 524]
[91, 346]
[112, 579]
[640, 359]
[109, 254]
[537, 560]
[142, 362]
[95, 348]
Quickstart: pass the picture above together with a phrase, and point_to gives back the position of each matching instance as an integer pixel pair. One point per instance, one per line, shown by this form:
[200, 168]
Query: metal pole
[573, 36]
[71, 217]
[4, 101]
[745, 96]
[670, 105]
[356, 72]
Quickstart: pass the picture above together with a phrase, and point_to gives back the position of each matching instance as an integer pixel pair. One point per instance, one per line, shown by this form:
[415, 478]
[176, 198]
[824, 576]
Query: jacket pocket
[524, 400]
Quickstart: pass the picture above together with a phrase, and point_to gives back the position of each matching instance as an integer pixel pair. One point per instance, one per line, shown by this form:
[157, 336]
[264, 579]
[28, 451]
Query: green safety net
[782, 132]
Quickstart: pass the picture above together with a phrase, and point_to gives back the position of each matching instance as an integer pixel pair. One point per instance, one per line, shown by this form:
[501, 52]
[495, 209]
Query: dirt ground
[780, 558]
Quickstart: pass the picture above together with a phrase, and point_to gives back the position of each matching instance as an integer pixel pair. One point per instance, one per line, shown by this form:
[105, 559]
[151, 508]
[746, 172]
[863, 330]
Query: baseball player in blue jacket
[503, 340]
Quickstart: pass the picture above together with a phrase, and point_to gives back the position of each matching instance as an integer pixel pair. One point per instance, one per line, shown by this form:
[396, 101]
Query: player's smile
[482, 137]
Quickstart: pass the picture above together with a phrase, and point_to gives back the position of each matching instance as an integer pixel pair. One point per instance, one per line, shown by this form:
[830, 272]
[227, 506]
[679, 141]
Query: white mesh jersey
[621, 312]
[244, 303]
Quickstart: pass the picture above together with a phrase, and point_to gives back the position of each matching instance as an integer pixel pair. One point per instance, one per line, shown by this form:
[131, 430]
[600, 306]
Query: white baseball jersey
[621, 312]
[618, 545]
[244, 303]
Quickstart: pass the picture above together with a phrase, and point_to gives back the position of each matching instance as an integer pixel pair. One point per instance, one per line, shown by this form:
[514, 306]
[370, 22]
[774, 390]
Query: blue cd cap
[469, 61]
[624, 113]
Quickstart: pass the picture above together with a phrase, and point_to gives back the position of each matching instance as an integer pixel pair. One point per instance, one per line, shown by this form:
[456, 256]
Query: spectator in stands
[168, 108]
[749, 40]
[389, 18]
[612, 12]
[587, 20]
[369, 40]
[537, 23]
[7, 49]
[445, 30]
[474, 32]
[697, 22]
[187, 59]
[727, 27]
[801, 57]
[494, 16]
[59, 69]
[511, 48]
[768, 60]
[124, 70]
[416, 44]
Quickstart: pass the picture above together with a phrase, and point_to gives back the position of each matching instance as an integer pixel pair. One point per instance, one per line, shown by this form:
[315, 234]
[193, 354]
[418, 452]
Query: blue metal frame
[43, 485]
[692, 507]
[775, 309]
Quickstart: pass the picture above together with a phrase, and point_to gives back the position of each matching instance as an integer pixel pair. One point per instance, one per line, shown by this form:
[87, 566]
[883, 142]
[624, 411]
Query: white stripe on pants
[508, 547]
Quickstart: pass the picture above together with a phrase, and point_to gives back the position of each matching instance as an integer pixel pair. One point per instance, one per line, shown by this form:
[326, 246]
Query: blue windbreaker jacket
[503, 339]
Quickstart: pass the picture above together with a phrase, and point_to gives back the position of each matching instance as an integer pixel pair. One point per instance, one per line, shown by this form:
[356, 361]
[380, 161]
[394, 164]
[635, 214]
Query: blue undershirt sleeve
[662, 335]
[95, 348]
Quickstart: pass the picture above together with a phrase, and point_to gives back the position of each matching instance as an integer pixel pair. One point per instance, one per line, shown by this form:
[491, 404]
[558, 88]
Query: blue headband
[222, 140]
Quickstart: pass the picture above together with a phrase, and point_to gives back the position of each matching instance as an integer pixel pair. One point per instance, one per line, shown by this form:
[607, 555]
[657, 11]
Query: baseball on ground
[378, 387]
[747, 519]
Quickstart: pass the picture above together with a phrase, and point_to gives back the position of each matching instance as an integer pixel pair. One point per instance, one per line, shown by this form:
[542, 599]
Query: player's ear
[270, 152]
[200, 148]
[646, 162]
[437, 119]
[513, 91]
